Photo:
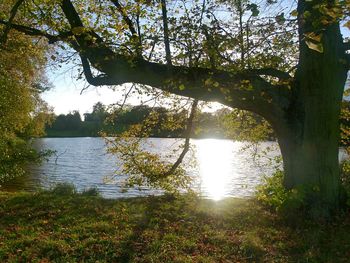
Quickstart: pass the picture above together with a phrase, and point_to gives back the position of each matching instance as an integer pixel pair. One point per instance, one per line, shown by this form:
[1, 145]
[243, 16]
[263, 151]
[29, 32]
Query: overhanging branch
[232, 89]
[166, 33]
[131, 27]
[62, 36]
[125, 17]
[245, 90]
[90, 78]
[13, 13]
[242, 90]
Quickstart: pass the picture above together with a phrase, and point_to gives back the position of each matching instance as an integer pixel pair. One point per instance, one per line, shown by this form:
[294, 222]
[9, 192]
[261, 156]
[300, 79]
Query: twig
[58, 155]
[187, 141]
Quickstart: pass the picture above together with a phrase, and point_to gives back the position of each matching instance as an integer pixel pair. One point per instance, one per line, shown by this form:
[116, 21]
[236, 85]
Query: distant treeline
[169, 124]
[222, 123]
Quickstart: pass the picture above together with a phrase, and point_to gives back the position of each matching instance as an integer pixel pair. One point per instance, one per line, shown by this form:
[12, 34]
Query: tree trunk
[310, 141]
[311, 165]
[310, 151]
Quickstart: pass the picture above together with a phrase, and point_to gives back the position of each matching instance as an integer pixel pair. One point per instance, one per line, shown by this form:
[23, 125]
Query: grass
[65, 226]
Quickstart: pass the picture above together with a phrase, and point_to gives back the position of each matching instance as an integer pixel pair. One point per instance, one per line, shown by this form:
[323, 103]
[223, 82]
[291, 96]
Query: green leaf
[307, 14]
[78, 30]
[254, 9]
[280, 19]
[294, 13]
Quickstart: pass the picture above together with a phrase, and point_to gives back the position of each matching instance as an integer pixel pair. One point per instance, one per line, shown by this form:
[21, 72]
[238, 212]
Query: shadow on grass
[64, 226]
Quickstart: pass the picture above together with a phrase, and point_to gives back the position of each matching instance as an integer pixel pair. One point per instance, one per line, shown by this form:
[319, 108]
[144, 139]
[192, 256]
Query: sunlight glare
[214, 160]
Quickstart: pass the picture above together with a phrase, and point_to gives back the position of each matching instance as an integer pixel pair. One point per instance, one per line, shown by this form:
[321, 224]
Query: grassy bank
[60, 226]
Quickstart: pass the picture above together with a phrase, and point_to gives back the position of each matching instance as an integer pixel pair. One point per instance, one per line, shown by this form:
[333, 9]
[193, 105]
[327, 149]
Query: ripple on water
[222, 169]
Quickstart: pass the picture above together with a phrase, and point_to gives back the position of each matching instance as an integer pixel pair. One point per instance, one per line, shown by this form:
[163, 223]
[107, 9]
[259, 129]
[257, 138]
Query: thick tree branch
[166, 33]
[240, 90]
[244, 90]
[62, 36]
[127, 20]
[13, 13]
[91, 79]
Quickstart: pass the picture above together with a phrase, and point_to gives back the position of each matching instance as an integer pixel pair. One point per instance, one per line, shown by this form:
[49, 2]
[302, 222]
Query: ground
[63, 226]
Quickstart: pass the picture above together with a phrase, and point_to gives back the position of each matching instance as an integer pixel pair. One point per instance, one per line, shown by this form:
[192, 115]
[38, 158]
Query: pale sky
[66, 95]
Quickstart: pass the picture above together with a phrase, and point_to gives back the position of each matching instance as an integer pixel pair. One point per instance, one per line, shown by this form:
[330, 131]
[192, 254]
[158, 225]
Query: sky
[66, 96]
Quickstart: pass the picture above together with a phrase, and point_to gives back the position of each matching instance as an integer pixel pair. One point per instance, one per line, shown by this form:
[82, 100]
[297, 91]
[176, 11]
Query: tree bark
[310, 142]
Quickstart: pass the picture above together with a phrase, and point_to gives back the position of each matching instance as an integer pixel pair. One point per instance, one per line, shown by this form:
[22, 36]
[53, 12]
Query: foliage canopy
[23, 114]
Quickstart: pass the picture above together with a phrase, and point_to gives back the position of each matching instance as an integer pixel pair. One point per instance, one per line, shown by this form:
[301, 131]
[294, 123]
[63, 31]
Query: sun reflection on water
[215, 166]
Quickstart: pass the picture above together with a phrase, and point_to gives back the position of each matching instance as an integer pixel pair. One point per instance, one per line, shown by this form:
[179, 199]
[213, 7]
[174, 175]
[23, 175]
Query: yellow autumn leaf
[78, 30]
[347, 24]
[315, 46]
[294, 12]
[315, 37]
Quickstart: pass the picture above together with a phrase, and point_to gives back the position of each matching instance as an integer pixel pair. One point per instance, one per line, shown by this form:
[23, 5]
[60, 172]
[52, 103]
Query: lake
[220, 168]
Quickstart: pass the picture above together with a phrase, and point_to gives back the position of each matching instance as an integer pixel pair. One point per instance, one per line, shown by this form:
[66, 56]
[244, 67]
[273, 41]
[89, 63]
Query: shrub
[64, 189]
[345, 178]
[273, 194]
[93, 191]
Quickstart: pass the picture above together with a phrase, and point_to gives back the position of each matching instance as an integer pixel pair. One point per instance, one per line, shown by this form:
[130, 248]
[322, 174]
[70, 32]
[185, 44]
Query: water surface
[220, 167]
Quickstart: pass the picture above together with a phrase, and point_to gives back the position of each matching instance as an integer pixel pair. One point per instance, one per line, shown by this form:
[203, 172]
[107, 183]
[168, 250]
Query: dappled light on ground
[63, 226]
